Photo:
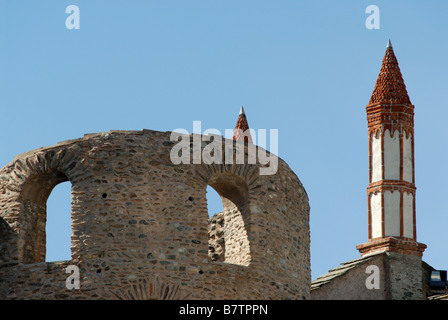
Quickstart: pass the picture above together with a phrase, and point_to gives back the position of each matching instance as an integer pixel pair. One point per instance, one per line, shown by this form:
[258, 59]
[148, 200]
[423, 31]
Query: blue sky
[306, 68]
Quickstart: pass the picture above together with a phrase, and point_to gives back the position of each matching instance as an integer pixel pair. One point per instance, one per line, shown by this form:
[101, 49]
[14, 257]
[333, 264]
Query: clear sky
[306, 68]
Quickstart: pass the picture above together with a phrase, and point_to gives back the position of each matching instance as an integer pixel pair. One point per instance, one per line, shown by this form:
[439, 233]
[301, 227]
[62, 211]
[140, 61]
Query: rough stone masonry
[141, 229]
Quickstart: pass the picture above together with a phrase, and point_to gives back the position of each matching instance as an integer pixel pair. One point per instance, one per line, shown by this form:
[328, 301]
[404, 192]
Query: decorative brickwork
[242, 128]
[152, 289]
[390, 87]
[391, 244]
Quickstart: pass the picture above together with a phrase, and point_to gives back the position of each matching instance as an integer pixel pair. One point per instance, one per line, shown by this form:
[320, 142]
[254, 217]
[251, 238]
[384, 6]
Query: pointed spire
[242, 128]
[389, 45]
[390, 87]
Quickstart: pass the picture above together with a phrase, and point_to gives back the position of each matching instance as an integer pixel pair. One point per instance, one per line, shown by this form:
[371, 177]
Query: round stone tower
[141, 228]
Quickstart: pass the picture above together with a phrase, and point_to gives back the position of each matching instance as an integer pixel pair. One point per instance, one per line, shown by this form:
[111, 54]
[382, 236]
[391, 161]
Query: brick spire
[242, 128]
[390, 87]
[391, 192]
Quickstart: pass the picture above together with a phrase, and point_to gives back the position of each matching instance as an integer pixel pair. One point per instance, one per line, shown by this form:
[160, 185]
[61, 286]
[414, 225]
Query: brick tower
[392, 255]
[242, 128]
[391, 190]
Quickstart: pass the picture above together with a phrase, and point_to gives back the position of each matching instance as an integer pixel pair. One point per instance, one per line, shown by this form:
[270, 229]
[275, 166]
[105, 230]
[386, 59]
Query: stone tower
[140, 223]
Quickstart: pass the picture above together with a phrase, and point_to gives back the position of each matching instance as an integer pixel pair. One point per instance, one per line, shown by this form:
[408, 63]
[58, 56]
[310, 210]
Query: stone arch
[229, 230]
[230, 234]
[30, 180]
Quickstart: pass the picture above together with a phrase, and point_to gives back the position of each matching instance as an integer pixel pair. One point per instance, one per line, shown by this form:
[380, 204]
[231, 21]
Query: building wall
[352, 284]
[405, 276]
[140, 225]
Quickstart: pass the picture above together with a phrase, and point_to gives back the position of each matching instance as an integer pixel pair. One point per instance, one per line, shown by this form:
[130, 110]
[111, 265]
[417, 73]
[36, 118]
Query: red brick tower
[242, 131]
[391, 190]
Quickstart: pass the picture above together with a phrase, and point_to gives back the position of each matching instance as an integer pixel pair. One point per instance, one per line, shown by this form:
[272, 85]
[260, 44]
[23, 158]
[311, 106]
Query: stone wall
[405, 274]
[217, 243]
[140, 226]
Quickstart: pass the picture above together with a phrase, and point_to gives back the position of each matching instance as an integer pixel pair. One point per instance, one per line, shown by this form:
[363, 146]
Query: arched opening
[228, 240]
[58, 225]
[33, 199]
